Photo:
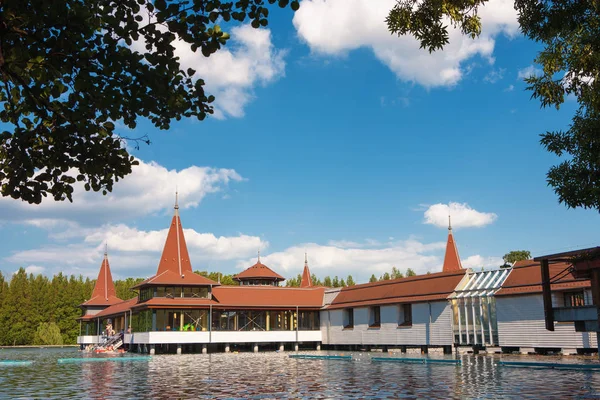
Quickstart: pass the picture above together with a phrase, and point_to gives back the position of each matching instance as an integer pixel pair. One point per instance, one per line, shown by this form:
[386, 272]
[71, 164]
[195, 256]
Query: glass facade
[142, 321]
[259, 282]
[475, 320]
[200, 292]
[225, 320]
[474, 309]
[181, 320]
[89, 327]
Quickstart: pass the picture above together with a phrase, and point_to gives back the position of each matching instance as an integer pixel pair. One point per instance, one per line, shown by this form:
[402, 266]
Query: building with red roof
[457, 307]
[179, 307]
[103, 297]
[258, 274]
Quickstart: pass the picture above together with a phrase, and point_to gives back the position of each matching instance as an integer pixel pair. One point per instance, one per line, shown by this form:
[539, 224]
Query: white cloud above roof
[462, 215]
[132, 252]
[336, 27]
[150, 188]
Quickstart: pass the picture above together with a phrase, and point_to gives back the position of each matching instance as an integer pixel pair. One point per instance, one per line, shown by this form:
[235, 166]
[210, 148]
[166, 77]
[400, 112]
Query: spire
[175, 257]
[259, 256]
[451, 259]
[104, 288]
[306, 279]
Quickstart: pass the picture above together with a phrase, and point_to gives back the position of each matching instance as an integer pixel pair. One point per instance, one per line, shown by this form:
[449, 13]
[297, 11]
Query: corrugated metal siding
[422, 332]
[521, 324]
[441, 324]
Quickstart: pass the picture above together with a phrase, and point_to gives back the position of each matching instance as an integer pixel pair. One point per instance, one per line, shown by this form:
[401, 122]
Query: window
[348, 318]
[405, 315]
[146, 294]
[574, 299]
[374, 317]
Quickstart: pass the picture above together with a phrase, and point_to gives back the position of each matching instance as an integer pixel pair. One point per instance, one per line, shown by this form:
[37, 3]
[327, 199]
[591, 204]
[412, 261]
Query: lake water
[271, 375]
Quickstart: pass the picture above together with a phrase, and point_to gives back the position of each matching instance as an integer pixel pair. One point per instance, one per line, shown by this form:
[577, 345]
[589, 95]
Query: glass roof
[480, 284]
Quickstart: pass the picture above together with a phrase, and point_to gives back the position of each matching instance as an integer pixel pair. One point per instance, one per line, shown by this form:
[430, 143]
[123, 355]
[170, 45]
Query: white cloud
[462, 215]
[494, 75]
[204, 245]
[34, 269]
[132, 252]
[136, 253]
[336, 27]
[528, 71]
[357, 259]
[248, 60]
[477, 262]
[148, 189]
[510, 88]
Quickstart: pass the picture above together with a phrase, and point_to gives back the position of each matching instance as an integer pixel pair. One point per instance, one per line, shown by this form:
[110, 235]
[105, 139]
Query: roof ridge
[407, 279]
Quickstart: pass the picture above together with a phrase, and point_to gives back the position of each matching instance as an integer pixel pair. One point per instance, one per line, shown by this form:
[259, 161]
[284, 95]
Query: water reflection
[276, 376]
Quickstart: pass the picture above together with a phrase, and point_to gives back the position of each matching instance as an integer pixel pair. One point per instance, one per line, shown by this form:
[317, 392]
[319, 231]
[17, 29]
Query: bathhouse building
[178, 308]
[457, 309]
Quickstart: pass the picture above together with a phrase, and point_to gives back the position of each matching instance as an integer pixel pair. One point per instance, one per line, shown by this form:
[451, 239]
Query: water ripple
[276, 376]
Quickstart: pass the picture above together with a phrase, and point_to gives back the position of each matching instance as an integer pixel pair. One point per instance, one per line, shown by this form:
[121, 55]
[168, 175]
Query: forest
[37, 310]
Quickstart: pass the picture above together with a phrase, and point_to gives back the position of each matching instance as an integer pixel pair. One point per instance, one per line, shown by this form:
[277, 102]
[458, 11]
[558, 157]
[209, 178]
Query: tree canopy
[512, 257]
[70, 70]
[570, 62]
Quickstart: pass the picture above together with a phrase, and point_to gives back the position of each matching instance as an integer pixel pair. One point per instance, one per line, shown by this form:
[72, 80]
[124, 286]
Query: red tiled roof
[526, 278]
[173, 278]
[175, 255]
[175, 267]
[104, 293]
[412, 289]
[258, 271]
[306, 278]
[451, 259]
[115, 309]
[268, 297]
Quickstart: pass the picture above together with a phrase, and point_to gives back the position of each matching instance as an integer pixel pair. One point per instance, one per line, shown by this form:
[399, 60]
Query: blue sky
[349, 144]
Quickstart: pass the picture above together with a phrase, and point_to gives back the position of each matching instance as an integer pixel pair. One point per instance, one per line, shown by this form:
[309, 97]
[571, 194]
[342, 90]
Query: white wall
[223, 337]
[432, 325]
[521, 324]
[88, 339]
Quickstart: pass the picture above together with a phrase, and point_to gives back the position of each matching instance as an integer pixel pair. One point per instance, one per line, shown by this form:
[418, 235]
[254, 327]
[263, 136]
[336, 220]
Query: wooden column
[547, 296]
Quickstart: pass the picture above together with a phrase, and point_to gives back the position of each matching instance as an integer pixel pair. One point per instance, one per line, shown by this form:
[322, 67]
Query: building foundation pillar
[281, 347]
[204, 349]
[295, 346]
[255, 347]
[318, 346]
[227, 349]
[178, 349]
[152, 350]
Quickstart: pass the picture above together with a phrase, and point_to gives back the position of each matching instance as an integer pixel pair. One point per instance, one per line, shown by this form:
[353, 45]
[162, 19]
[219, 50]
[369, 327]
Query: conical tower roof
[104, 293]
[175, 256]
[306, 278]
[174, 267]
[451, 259]
[258, 271]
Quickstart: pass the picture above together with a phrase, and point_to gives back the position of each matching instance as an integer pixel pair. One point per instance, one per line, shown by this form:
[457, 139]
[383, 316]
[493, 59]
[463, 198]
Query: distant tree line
[328, 281]
[218, 277]
[37, 310]
[395, 274]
